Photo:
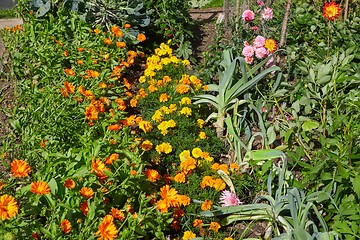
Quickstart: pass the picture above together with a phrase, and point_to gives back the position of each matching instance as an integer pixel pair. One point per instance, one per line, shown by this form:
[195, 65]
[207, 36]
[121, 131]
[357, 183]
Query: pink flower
[248, 15]
[255, 28]
[261, 52]
[248, 51]
[249, 60]
[267, 14]
[228, 198]
[260, 3]
[259, 41]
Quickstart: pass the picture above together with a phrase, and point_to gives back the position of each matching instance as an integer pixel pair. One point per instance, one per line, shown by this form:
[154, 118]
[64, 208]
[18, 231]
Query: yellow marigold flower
[146, 126]
[107, 229]
[118, 214]
[200, 123]
[174, 59]
[228, 238]
[207, 181]
[186, 111]
[179, 178]
[8, 207]
[215, 166]
[202, 135]
[164, 97]
[65, 226]
[234, 167]
[206, 205]
[186, 62]
[69, 183]
[165, 61]
[166, 79]
[188, 235]
[133, 102]
[146, 145]
[270, 44]
[141, 37]
[20, 168]
[224, 168]
[97, 31]
[158, 116]
[39, 188]
[196, 152]
[219, 184]
[152, 175]
[142, 79]
[188, 165]
[184, 155]
[214, 226]
[185, 100]
[86, 192]
[182, 88]
[164, 148]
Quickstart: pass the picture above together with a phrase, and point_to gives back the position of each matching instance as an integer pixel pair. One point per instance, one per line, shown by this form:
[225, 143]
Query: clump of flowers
[261, 48]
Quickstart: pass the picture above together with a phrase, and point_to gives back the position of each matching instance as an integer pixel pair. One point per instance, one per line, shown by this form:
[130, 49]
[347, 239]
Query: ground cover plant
[117, 135]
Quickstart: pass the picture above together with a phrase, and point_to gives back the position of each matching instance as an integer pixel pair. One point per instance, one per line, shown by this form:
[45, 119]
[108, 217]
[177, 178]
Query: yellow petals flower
[142, 79]
[206, 205]
[331, 10]
[145, 126]
[20, 168]
[185, 100]
[186, 111]
[146, 145]
[186, 62]
[164, 148]
[152, 175]
[8, 207]
[214, 226]
[188, 235]
[164, 97]
[182, 88]
[200, 123]
[196, 152]
[184, 155]
[107, 229]
[202, 135]
[270, 44]
[158, 116]
[179, 178]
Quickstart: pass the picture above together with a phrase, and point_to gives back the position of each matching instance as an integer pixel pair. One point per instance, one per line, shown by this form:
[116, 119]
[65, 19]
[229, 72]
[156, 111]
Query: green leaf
[53, 186]
[271, 134]
[356, 185]
[309, 125]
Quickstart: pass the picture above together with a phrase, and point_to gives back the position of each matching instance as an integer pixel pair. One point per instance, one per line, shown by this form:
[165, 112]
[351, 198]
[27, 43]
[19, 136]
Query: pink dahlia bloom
[259, 41]
[228, 198]
[248, 15]
[267, 14]
[260, 3]
[261, 52]
[248, 51]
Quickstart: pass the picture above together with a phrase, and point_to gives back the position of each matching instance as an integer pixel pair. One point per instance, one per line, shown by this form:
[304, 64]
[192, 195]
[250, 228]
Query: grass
[8, 13]
[218, 3]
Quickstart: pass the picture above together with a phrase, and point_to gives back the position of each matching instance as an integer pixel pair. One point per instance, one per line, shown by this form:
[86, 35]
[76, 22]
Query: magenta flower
[261, 52]
[228, 198]
[259, 41]
[267, 14]
[255, 28]
[248, 51]
[248, 15]
[260, 3]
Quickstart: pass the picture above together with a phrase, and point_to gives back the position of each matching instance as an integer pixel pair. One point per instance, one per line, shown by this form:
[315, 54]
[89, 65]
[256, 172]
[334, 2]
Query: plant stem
[284, 27]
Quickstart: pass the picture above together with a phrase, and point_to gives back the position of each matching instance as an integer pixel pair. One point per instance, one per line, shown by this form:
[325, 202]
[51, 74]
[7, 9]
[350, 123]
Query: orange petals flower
[118, 214]
[65, 226]
[152, 175]
[146, 145]
[39, 187]
[146, 126]
[107, 41]
[179, 178]
[113, 157]
[69, 183]
[114, 127]
[69, 72]
[206, 205]
[116, 30]
[331, 10]
[107, 229]
[86, 192]
[84, 208]
[141, 37]
[8, 207]
[198, 223]
[214, 226]
[270, 44]
[19, 168]
[127, 25]
[120, 44]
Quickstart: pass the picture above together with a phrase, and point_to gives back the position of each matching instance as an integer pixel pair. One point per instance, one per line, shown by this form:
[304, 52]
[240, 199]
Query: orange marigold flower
[198, 223]
[65, 226]
[98, 166]
[116, 30]
[69, 87]
[80, 62]
[102, 85]
[214, 226]
[114, 127]
[179, 178]
[2, 185]
[8, 207]
[188, 165]
[207, 181]
[39, 187]
[97, 31]
[91, 113]
[121, 103]
[175, 225]
[66, 53]
[224, 168]
[84, 208]
[133, 172]
[270, 44]
[182, 89]
[152, 175]
[179, 213]
[146, 145]
[107, 41]
[120, 44]
[111, 158]
[206, 205]
[219, 184]
[164, 97]
[141, 37]
[107, 229]
[86, 192]
[69, 72]
[127, 25]
[234, 167]
[80, 49]
[20, 168]
[69, 183]
[93, 73]
[118, 214]
[331, 10]
[35, 235]
[133, 102]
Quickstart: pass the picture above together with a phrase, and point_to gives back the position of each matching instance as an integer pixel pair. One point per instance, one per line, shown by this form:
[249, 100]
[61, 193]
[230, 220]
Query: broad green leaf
[271, 134]
[356, 184]
[309, 125]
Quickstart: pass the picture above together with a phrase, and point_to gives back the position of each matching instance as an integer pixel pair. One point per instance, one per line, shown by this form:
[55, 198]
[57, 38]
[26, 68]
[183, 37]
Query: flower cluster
[260, 48]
